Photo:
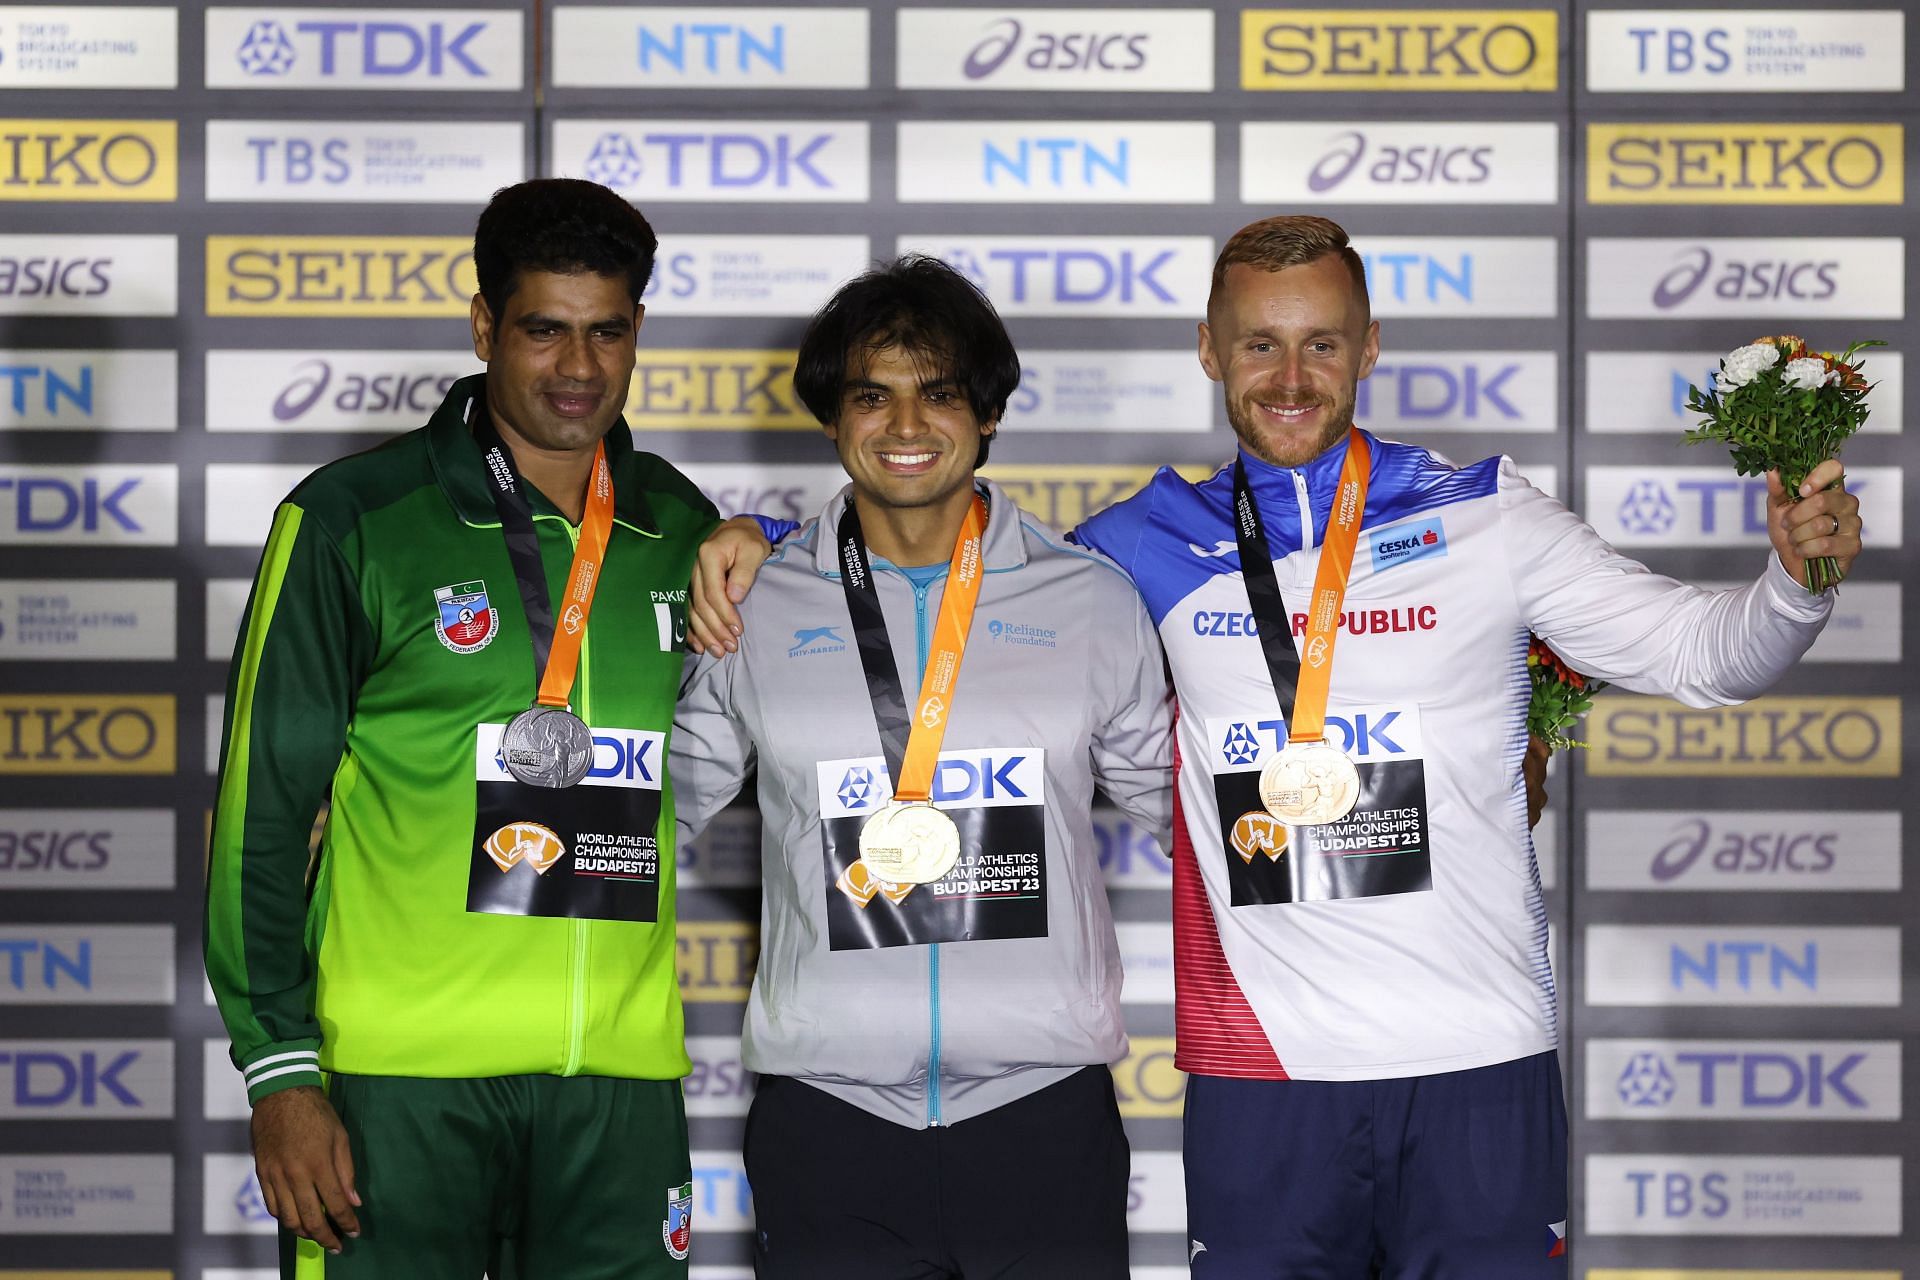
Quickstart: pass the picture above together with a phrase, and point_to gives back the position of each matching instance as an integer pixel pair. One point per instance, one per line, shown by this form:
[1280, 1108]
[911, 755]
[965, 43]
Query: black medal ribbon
[1263, 593]
[888, 695]
[523, 541]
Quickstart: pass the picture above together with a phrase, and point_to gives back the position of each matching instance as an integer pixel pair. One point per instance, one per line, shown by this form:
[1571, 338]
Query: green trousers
[515, 1178]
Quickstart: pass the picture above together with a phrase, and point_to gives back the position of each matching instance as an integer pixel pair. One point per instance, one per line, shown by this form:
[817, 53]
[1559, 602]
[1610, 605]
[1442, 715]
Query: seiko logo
[250, 275]
[68, 157]
[1706, 160]
[1055, 51]
[1399, 166]
[1430, 44]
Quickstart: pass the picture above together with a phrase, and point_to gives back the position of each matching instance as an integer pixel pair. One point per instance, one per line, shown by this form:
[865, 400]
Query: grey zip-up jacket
[1062, 686]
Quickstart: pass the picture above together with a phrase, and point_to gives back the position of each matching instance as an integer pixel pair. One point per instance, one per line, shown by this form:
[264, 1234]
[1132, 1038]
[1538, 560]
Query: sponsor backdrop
[237, 246]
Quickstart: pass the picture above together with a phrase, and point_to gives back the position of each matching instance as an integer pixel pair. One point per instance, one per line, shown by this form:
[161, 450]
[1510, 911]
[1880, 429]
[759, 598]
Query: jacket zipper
[577, 956]
[1306, 510]
[922, 642]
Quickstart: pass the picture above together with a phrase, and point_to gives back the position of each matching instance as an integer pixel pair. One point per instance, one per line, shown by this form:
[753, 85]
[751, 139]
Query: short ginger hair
[1290, 240]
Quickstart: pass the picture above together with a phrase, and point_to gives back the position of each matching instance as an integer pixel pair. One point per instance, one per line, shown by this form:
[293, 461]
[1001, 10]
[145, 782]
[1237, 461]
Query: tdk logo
[715, 161]
[982, 778]
[1772, 279]
[385, 49]
[1742, 1081]
[1364, 735]
[45, 1080]
[1402, 543]
[1647, 508]
[1081, 277]
[1743, 965]
[51, 504]
[624, 758]
[1056, 163]
[1471, 391]
[713, 46]
[857, 788]
[1009, 41]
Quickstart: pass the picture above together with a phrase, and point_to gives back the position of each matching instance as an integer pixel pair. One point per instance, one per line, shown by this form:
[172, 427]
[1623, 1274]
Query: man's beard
[1244, 418]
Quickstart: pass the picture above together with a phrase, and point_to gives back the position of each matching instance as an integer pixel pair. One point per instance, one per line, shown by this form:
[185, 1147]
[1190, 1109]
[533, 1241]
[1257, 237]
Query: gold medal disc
[909, 842]
[1309, 784]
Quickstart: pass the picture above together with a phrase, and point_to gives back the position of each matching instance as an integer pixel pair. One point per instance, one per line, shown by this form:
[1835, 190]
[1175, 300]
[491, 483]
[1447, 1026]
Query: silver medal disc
[547, 747]
[1309, 784]
[909, 842]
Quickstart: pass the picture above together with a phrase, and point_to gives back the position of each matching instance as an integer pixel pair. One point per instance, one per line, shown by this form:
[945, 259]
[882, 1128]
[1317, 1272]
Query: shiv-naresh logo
[340, 275]
[536, 845]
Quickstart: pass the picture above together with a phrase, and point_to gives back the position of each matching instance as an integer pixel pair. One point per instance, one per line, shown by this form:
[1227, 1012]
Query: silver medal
[547, 747]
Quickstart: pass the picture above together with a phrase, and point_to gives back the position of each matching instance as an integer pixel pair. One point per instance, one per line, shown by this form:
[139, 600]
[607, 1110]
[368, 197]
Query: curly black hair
[563, 225]
[922, 306]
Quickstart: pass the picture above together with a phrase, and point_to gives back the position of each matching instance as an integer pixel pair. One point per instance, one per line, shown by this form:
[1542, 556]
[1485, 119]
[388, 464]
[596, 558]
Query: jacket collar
[461, 472]
[1004, 547]
[1278, 492]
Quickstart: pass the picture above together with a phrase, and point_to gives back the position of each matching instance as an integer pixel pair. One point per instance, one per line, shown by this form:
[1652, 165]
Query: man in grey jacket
[938, 992]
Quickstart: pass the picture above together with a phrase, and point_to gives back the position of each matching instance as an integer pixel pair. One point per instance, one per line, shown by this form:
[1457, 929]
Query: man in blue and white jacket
[934, 1096]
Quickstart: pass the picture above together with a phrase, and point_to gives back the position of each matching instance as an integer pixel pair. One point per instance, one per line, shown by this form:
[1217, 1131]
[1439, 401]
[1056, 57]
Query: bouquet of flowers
[1778, 405]
[1561, 696]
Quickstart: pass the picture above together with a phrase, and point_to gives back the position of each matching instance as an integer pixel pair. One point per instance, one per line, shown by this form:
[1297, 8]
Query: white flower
[1745, 364]
[1807, 375]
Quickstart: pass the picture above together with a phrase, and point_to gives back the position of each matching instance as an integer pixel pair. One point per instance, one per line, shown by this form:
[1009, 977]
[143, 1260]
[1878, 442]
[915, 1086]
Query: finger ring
[1836, 525]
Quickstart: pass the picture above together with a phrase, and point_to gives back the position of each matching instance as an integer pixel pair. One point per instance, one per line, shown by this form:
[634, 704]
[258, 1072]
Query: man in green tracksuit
[461, 1030]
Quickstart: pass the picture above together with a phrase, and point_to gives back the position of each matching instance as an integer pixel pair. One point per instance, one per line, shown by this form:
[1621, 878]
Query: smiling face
[1290, 347]
[558, 359]
[905, 433]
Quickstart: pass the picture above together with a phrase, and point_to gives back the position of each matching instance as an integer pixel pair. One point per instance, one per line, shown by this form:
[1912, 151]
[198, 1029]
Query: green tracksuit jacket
[356, 682]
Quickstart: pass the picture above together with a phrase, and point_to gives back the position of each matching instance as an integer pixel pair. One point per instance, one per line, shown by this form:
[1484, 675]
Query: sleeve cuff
[1791, 597]
[282, 1067]
[774, 528]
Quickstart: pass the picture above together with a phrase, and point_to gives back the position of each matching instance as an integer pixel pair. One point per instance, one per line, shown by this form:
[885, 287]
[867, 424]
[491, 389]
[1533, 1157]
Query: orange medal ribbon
[570, 627]
[1308, 722]
[929, 722]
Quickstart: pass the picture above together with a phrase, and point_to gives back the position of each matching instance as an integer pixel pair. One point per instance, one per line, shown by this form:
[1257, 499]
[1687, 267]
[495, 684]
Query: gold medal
[909, 842]
[1309, 784]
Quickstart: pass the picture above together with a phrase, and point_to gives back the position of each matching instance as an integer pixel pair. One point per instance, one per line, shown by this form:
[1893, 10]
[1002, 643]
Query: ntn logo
[1741, 963]
[55, 964]
[52, 385]
[1405, 276]
[1063, 162]
[712, 46]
